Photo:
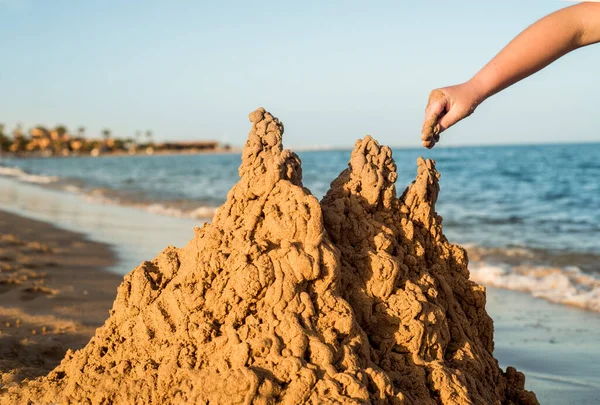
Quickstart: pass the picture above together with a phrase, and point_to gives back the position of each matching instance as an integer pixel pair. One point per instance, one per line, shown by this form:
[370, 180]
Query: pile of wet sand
[282, 299]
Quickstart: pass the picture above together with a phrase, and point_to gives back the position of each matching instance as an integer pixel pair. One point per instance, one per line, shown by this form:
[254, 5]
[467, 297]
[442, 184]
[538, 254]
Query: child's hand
[447, 106]
[539, 45]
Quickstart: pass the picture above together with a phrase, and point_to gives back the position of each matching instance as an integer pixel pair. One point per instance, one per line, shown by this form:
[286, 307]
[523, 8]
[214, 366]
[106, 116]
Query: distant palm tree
[18, 131]
[4, 141]
[39, 132]
[40, 139]
[106, 134]
[81, 132]
[62, 130]
[149, 136]
[19, 141]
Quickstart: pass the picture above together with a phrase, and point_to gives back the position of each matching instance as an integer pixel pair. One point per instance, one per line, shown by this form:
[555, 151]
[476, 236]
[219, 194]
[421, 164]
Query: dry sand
[53, 295]
[282, 299]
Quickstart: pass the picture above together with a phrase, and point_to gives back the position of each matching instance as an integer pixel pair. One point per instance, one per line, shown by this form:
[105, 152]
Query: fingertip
[429, 143]
[431, 129]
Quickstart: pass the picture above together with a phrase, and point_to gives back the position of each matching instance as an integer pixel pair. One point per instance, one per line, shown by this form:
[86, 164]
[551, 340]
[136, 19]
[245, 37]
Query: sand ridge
[282, 299]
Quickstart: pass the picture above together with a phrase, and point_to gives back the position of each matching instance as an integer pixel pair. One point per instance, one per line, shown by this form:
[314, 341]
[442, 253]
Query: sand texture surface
[282, 299]
[53, 295]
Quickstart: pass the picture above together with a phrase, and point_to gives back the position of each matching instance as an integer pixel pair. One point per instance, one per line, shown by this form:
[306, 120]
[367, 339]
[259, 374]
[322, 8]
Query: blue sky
[332, 71]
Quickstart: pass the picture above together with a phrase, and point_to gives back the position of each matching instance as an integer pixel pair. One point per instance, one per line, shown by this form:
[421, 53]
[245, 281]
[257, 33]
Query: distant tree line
[59, 141]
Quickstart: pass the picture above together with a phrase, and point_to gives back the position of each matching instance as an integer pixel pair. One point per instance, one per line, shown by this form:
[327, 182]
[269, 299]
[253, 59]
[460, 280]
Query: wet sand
[556, 346]
[54, 293]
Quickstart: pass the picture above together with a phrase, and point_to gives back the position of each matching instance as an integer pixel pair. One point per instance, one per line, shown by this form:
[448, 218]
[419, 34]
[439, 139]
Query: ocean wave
[71, 188]
[162, 209]
[562, 285]
[111, 196]
[158, 208]
[21, 175]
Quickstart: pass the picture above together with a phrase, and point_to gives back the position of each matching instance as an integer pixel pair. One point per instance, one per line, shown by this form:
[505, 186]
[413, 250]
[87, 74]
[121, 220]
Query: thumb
[450, 118]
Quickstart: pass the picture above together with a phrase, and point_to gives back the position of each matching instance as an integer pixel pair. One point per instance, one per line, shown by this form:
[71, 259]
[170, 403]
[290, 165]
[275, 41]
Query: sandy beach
[54, 293]
[58, 284]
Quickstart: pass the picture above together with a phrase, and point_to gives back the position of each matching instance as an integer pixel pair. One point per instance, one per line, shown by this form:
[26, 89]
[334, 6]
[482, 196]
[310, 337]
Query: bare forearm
[535, 48]
[539, 45]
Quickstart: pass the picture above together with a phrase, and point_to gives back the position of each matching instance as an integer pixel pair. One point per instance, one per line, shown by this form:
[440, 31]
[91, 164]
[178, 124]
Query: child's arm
[535, 48]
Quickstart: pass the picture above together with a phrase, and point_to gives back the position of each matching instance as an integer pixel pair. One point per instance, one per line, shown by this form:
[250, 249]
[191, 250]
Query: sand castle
[281, 299]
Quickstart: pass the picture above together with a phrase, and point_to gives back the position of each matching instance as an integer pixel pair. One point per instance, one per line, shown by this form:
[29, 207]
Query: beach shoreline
[54, 292]
[185, 152]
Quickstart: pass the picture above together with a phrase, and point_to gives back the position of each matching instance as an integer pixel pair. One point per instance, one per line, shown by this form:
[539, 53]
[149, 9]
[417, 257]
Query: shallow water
[529, 196]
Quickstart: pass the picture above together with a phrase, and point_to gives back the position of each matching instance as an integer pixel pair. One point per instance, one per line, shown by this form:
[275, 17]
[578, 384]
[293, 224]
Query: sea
[529, 215]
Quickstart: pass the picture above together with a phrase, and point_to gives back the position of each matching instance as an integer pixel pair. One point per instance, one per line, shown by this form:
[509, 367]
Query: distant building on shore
[189, 146]
[45, 142]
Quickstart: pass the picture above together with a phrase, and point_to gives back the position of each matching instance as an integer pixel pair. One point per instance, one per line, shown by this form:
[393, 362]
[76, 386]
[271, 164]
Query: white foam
[566, 285]
[19, 174]
[71, 188]
[197, 213]
[161, 210]
[203, 212]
